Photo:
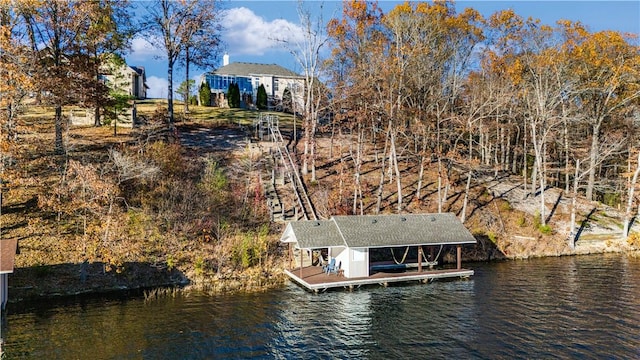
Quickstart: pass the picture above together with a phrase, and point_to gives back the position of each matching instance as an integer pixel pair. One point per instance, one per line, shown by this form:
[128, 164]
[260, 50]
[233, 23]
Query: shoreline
[150, 283]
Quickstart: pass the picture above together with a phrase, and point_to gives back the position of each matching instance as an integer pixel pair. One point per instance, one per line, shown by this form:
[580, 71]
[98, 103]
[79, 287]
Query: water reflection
[579, 307]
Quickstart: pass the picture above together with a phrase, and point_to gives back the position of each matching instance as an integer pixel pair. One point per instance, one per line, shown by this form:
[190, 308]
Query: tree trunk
[421, 172]
[397, 171]
[312, 144]
[566, 156]
[440, 200]
[305, 153]
[572, 224]
[538, 170]
[96, 115]
[593, 161]
[466, 197]
[357, 160]
[59, 144]
[186, 68]
[382, 169]
[632, 186]
[170, 95]
[524, 160]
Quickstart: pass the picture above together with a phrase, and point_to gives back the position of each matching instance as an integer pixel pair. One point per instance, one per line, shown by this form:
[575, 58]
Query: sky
[250, 28]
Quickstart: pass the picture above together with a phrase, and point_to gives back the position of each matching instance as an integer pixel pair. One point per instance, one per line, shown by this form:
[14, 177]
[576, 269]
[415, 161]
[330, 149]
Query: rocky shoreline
[78, 280]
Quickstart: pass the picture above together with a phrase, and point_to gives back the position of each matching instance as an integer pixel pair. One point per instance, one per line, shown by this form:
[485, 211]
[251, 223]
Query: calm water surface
[566, 308]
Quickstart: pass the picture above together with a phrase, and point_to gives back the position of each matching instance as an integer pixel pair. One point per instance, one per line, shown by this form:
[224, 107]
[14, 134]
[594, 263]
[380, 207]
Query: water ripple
[561, 308]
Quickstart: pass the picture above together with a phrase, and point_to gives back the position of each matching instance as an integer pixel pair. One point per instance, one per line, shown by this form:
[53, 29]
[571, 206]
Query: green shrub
[611, 199]
[522, 221]
[171, 262]
[199, 266]
[545, 229]
[505, 206]
[247, 251]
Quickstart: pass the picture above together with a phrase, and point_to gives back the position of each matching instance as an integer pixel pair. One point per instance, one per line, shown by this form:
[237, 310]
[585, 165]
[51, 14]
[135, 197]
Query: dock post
[420, 258]
[459, 257]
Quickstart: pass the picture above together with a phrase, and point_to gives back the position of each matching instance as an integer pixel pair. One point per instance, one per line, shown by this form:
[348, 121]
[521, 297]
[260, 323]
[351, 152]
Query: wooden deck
[314, 279]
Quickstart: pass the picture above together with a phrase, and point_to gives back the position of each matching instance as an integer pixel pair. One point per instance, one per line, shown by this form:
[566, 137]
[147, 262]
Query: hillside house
[130, 80]
[249, 76]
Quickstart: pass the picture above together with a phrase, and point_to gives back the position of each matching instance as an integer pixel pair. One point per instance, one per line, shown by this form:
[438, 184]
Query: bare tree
[630, 198]
[175, 26]
[55, 29]
[202, 47]
[306, 52]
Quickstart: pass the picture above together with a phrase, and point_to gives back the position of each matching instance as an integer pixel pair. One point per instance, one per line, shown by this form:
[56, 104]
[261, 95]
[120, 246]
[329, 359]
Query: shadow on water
[31, 287]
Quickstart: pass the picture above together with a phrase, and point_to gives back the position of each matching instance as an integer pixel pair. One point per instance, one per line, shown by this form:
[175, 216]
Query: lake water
[563, 308]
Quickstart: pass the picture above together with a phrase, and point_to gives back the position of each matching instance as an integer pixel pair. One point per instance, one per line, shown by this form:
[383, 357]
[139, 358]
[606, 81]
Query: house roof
[138, 69]
[313, 234]
[7, 255]
[251, 69]
[371, 231]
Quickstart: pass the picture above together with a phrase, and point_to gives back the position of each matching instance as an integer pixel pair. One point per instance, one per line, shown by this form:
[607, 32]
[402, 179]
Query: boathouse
[7, 257]
[350, 241]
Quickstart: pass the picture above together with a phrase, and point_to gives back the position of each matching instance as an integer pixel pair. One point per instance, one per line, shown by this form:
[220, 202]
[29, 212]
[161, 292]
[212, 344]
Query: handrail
[296, 181]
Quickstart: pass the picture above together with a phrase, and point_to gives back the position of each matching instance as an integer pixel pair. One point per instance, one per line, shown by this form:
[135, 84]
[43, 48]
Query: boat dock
[312, 278]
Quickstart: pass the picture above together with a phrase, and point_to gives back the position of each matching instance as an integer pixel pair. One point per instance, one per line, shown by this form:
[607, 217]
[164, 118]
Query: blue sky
[251, 27]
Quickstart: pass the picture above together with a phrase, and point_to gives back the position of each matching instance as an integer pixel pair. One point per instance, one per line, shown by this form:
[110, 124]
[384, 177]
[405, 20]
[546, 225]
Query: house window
[275, 85]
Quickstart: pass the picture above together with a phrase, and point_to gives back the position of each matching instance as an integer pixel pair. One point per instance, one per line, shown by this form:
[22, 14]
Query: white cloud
[249, 34]
[157, 87]
[142, 49]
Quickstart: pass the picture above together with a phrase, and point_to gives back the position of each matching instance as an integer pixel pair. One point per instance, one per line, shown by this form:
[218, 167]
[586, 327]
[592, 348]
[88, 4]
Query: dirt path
[209, 138]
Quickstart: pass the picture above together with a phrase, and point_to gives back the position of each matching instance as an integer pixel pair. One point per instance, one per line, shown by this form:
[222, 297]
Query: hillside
[135, 210]
[90, 221]
[498, 213]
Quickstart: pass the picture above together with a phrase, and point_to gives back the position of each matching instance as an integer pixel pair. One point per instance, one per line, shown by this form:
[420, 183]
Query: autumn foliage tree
[72, 40]
[452, 92]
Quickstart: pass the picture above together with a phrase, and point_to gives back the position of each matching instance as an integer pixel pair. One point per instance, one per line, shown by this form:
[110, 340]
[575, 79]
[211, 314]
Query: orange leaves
[608, 67]
[506, 19]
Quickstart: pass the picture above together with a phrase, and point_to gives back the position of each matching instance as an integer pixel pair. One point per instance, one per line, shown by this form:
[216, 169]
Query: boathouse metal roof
[372, 231]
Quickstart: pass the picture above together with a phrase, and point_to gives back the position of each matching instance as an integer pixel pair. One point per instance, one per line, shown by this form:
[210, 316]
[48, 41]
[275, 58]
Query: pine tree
[261, 101]
[205, 94]
[230, 97]
[236, 95]
[233, 95]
